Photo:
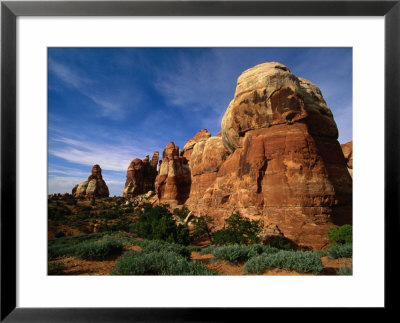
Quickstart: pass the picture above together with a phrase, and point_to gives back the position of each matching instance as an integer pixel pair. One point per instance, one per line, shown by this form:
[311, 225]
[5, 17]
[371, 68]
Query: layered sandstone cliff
[95, 186]
[277, 159]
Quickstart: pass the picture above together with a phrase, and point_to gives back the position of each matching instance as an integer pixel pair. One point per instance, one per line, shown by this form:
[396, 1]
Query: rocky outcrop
[141, 175]
[202, 135]
[278, 159]
[348, 155]
[206, 159]
[173, 180]
[95, 186]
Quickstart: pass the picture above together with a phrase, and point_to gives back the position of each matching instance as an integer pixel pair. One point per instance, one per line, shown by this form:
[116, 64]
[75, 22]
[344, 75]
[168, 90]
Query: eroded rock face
[278, 159]
[202, 135]
[173, 180]
[95, 186]
[206, 159]
[269, 94]
[141, 175]
[348, 155]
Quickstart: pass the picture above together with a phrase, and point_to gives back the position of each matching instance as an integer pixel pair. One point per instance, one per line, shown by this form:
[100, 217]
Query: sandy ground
[75, 266]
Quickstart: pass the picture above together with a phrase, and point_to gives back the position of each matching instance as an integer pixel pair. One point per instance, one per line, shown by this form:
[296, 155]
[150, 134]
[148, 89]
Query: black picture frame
[10, 10]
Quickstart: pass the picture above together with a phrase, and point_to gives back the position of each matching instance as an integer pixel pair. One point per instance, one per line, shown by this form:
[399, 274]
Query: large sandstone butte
[141, 175]
[278, 159]
[348, 155]
[173, 179]
[95, 186]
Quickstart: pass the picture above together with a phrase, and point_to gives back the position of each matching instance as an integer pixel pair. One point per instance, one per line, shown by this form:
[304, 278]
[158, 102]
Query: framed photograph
[266, 129]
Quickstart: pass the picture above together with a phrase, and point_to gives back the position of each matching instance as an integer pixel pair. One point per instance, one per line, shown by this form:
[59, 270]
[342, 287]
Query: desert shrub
[241, 253]
[181, 213]
[299, 261]
[194, 248]
[208, 249]
[238, 230]
[202, 227]
[55, 268]
[109, 214]
[89, 246]
[85, 210]
[157, 263]
[320, 253]
[57, 251]
[280, 243]
[60, 234]
[58, 213]
[156, 223]
[345, 271]
[340, 251]
[98, 250]
[157, 245]
[123, 237]
[341, 235]
[71, 201]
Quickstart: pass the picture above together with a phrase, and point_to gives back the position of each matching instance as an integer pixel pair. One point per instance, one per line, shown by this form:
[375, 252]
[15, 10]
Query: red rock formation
[285, 165]
[95, 186]
[348, 155]
[202, 135]
[173, 180]
[206, 159]
[140, 176]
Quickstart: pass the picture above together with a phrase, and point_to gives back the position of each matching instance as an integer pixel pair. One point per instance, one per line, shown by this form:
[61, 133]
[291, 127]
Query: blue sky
[108, 106]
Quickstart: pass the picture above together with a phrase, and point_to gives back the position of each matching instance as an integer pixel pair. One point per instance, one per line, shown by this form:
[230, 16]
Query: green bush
[89, 246]
[241, 253]
[280, 243]
[208, 249]
[340, 251]
[181, 213]
[202, 227]
[238, 230]
[157, 245]
[345, 271]
[299, 261]
[341, 235]
[55, 268]
[58, 213]
[156, 223]
[194, 248]
[157, 263]
[85, 211]
[98, 250]
[320, 253]
[60, 234]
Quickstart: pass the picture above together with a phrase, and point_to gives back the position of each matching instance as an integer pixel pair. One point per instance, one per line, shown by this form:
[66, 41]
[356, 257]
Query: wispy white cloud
[108, 156]
[113, 151]
[62, 171]
[110, 106]
[198, 87]
[64, 184]
[67, 75]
